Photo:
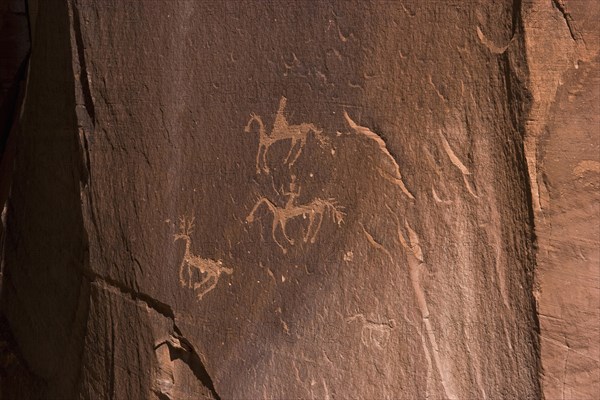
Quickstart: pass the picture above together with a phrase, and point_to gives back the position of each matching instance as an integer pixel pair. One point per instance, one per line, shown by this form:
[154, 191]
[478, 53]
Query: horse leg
[181, 278]
[260, 146]
[273, 232]
[302, 143]
[208, 288]
[261, 156]
[311, 221]
[203, 282]
[318, 228]
[264, 158]
[292, 145]
[282, 225]
[190, 272]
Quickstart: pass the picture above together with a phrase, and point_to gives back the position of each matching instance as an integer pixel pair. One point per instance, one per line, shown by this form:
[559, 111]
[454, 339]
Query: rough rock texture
[14, 51]
[283, 199]
[563, 130]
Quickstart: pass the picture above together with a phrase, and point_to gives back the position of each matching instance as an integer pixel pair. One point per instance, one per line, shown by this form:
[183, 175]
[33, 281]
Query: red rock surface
[564, 130]
[298, 199]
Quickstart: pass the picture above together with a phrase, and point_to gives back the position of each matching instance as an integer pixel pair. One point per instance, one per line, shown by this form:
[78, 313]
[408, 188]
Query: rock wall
[562, 42]
[287, 199]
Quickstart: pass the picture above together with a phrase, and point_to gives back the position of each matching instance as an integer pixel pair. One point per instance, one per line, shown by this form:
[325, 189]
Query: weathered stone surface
[283, 199]
[564, 153]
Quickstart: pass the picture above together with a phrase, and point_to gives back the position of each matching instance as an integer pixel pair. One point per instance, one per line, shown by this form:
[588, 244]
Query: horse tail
[323, 140]
[336, 211]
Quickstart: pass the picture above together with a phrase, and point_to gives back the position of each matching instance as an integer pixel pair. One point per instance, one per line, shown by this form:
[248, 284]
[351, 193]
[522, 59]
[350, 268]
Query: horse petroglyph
[208, 270]
[282, 130]
[315, 211]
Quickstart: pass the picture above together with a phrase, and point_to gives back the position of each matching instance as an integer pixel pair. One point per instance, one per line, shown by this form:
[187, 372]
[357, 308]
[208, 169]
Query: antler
[186, 226]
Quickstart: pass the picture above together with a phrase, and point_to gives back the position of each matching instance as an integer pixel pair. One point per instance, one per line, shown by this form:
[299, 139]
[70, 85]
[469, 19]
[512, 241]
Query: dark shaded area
[153, 97]
[14, 51]
[16, 380]
[44, 293]
[189, 355]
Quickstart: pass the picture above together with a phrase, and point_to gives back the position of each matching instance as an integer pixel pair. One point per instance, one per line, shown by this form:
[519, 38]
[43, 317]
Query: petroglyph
[438, 172]
[416, 265]
[373, 332]
[437, 198]
[325, 390]
[208, 270]
[293, 64]
[315, 210]
[458, 164]
[375, 243]
[282, 130]
[395, 176]
[413, 242]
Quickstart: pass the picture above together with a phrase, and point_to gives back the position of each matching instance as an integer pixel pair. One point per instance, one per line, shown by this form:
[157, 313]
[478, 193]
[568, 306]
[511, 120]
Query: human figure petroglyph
[377, 333]
[315, 211]
[209, 270]
[282, 130]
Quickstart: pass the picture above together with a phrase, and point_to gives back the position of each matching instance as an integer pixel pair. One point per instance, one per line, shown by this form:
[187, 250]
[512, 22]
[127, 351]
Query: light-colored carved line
[210, 269]
[489, 44]
[374, 243]
[437, 198]
[415, 264]
[325, 389]
[453, 158]
[315, 210]
[469, 187]
[476, 363]
[458, 164]
[282, 130]
[383, 328]
[396, 177]
[439, 94]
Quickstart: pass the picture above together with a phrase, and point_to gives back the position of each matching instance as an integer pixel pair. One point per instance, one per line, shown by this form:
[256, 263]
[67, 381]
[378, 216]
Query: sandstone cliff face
[295, 199]
[564, 151]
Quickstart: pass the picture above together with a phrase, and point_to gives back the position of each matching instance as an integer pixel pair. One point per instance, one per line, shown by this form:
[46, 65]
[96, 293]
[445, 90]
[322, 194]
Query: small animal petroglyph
[377, 333]
[282, 130]
[315, 211]
[393, 176]
[209, 270]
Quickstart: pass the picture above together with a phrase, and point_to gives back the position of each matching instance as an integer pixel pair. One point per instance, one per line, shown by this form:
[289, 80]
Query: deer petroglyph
[208, 270]
[282, 130]
[315, 211]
